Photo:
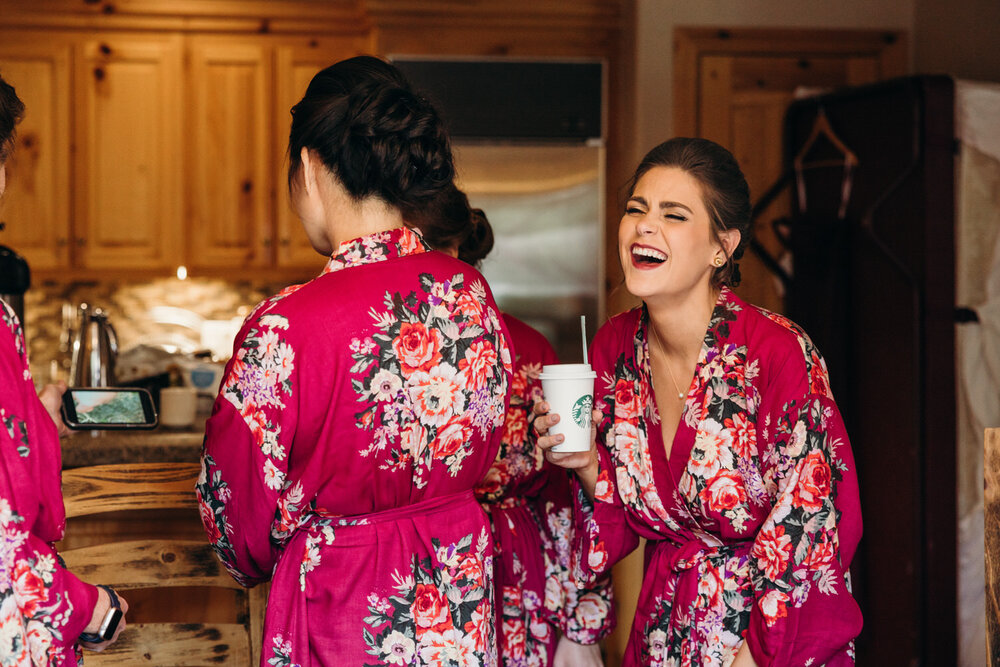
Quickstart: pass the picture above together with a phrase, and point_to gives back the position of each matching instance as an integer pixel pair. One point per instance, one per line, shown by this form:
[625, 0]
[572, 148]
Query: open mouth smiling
[646, 256]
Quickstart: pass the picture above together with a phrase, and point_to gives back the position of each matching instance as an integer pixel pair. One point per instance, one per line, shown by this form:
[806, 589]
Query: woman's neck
[681, 322]
[364, 218]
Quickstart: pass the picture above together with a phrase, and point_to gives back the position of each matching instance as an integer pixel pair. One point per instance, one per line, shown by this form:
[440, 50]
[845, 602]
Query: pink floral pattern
[43, 607]
[754, 517]
[441, 612]
[530, 506]
[355, 417]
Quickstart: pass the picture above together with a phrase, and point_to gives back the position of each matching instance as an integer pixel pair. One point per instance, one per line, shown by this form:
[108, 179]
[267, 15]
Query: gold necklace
[656, 337]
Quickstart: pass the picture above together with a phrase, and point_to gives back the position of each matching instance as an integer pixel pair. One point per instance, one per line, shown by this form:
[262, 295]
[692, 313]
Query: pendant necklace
[680, 394]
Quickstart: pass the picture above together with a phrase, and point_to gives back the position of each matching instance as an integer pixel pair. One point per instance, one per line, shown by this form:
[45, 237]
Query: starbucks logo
[581, 411]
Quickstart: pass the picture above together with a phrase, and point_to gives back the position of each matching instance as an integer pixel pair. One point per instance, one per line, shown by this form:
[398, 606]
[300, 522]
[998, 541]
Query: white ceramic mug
[178, 406]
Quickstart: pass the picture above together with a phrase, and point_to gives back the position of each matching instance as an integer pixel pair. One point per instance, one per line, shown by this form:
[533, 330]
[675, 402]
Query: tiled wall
[131, 308]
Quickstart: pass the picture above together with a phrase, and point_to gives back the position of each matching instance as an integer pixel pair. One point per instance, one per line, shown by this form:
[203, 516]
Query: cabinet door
[229, 154]
[296, 64]
[36, 205]
[128, 136]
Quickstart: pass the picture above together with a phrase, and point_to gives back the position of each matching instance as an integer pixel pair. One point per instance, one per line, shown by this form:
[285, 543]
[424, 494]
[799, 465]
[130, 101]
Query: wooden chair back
[162, 563]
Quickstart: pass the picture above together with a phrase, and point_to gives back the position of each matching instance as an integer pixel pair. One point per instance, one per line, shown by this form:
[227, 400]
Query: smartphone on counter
[108, 407]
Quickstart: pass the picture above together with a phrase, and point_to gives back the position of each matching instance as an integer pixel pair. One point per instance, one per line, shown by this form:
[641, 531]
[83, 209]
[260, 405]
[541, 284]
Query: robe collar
[377, 247]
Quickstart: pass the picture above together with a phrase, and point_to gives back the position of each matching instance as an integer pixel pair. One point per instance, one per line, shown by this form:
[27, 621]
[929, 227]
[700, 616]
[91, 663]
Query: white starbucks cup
[569, 391]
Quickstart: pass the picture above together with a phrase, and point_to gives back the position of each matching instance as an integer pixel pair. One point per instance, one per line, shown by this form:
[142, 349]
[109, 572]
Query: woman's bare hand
[584, 464]
[51, 398]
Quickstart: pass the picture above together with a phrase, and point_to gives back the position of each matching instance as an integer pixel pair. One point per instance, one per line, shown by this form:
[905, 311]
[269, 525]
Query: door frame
[691, 44]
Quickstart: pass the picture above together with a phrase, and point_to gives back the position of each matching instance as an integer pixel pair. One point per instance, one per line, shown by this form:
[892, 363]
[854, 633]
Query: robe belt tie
[423, 507]
[693, 552]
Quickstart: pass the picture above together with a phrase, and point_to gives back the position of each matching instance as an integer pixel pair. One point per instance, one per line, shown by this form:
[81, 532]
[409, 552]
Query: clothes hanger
[848, 160]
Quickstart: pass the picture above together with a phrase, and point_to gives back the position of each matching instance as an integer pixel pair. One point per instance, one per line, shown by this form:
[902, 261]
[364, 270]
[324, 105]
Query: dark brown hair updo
[381, 139]
[11, 110]
[724, 190]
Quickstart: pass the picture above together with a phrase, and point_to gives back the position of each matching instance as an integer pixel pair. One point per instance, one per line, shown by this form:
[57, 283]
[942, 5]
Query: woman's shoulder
[780, 343]
[617, 334]
[528, 342]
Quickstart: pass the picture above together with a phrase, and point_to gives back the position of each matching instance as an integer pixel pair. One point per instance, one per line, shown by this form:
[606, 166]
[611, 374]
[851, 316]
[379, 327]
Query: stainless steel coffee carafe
[95, 349]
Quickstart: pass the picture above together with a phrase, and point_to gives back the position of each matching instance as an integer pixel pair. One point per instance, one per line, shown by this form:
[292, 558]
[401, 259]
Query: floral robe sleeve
[43, 606]
[530, 505]
[802, 586]
[753, 518]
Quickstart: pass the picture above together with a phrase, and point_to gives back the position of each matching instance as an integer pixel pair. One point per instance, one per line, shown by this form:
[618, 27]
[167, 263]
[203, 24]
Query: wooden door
[229, 154]
[129, 165]
[733, 86]
[36, 206]
[296, 62]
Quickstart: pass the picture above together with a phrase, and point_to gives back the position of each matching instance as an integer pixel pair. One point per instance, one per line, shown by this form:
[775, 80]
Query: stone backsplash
[166, 312]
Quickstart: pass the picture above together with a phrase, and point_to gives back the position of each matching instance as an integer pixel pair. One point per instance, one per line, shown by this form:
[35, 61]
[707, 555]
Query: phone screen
[108, 408]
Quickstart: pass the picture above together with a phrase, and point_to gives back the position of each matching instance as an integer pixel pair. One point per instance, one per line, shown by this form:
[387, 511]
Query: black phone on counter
[86, 408]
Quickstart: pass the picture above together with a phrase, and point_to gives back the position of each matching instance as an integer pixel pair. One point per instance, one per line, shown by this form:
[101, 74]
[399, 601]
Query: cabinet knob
[266, 243]
[81, 242]
[99, 73]
[285, 242]
[62, 242]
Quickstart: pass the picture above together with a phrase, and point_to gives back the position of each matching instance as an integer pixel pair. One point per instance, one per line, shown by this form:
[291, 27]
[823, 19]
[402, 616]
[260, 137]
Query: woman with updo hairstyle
[359, 410]
[717, 440]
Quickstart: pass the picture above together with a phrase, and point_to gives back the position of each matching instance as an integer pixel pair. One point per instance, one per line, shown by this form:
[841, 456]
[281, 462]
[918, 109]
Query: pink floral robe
[754, 519]
[530, 503]
[43, 606]
[357, 414]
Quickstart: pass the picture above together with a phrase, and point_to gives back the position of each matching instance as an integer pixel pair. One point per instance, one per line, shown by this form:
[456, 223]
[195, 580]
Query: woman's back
[357, 414]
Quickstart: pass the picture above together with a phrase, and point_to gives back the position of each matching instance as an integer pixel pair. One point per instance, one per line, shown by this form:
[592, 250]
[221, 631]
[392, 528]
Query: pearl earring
[718, 261]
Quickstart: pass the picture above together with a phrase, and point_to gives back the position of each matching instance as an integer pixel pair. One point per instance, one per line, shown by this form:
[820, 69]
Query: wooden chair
[158, 563]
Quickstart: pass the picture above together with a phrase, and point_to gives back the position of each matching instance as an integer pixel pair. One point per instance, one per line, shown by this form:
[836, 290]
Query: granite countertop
[161, 444]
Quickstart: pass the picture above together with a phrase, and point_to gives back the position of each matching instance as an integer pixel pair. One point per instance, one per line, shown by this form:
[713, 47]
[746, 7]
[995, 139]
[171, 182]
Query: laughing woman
[360, 409]
[718, 440]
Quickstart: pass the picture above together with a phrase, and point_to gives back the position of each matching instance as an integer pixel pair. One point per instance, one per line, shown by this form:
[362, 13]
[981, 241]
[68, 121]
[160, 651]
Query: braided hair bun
[381, 139]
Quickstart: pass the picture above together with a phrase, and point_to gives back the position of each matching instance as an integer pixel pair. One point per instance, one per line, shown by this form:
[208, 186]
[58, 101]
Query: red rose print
[417, 347]
[479, 363]
[430, 610]
[515, 430]
[772, 549]
[604, 491]
[468, 305]
[814, 483]
[597, 559]
[627, 404]
[772, 606]
[513, 638]
[208, 519]
[450, 439]
[724, 492]
[29, 589]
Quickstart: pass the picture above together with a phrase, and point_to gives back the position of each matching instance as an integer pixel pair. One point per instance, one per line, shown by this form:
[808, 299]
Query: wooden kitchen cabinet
[36, 205]
[128, 167]
[296, 62]
[228, 153]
